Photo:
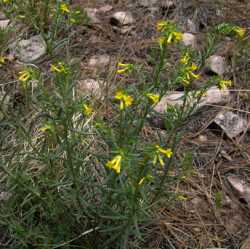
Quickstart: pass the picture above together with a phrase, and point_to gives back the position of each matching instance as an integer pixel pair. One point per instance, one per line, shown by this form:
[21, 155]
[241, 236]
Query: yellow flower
[2, 60]
[154, 98]
[239, 31]
[6, 1]
[47, 127]
[188, 74]
[64, 8]
[24, 76]
[115, 164]
[185, 59]
[124, 67]
[223, 84]
[59, 68]
[143, 179]
[125, 100]
[181, 198]
[87, 110]
[161, 25]
[158, 154]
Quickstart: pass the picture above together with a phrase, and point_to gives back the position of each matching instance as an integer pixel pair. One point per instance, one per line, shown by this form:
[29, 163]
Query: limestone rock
[213, 96]
[121, 18]
[189, 39]
[147, 3]
[90, 87]
[99, 61]
[92, 14]
[4, 23]
[241, 188]
[30, 50]
[231, 123]
[216, 64]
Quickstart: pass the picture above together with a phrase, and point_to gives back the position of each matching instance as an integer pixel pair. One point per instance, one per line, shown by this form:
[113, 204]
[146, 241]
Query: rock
[213, 96]
[92, 14]
[147, 3]
[89, 87]
[4, 101]
[191, 26]
[216, 64]
[231, 123]
[246, 243]
[241, 188]
[99, 61]
[121, 18]
[167, 4]
[189, 39]
[4, 23]
[4, 196]
[30, 50]
[105, 8]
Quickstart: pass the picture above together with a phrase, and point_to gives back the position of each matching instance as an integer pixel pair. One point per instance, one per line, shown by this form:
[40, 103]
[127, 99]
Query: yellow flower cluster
[187, 70]
[124, 68]
[2, 60]
[64, 8]
[224, 84]
[24, 76]
[169, 33]
[239, 31]
[159, 152]
[154, 98]
[87, 110]
[115, 164]
[125, 99]
[58, 68]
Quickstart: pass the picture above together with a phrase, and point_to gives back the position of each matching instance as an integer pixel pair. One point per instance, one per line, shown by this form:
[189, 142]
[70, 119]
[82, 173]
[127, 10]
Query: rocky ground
[216, 212]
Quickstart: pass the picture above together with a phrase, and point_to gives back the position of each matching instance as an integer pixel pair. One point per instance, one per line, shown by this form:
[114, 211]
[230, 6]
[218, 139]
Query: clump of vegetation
[77, 178]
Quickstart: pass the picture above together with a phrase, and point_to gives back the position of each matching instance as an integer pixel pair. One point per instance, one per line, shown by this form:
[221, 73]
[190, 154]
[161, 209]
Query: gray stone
[213, 96]
[147, 3]
[216, 64]
[121, 18]
[99, 61]
[231, 123]
[240, 186]
[92, 14]
[189, 39]
[30, 50]
[90, 87]
[4, 23]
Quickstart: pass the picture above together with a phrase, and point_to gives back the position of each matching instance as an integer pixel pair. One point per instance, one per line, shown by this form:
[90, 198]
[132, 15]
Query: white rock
[231, 123]
[106, 8]
[167, 4]
[189, 39]
[246, 243]
[92, 14]
[89, 87]
[147, 3]
[121, 18]
[191, 26]
[30, 50]
[213, 96]
[99, 61]
[241, 187]
[4, 196]
[4, 24]
[216, 64]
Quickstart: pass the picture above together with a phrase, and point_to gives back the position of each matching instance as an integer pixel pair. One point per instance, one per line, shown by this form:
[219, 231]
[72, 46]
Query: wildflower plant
[80, 177]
